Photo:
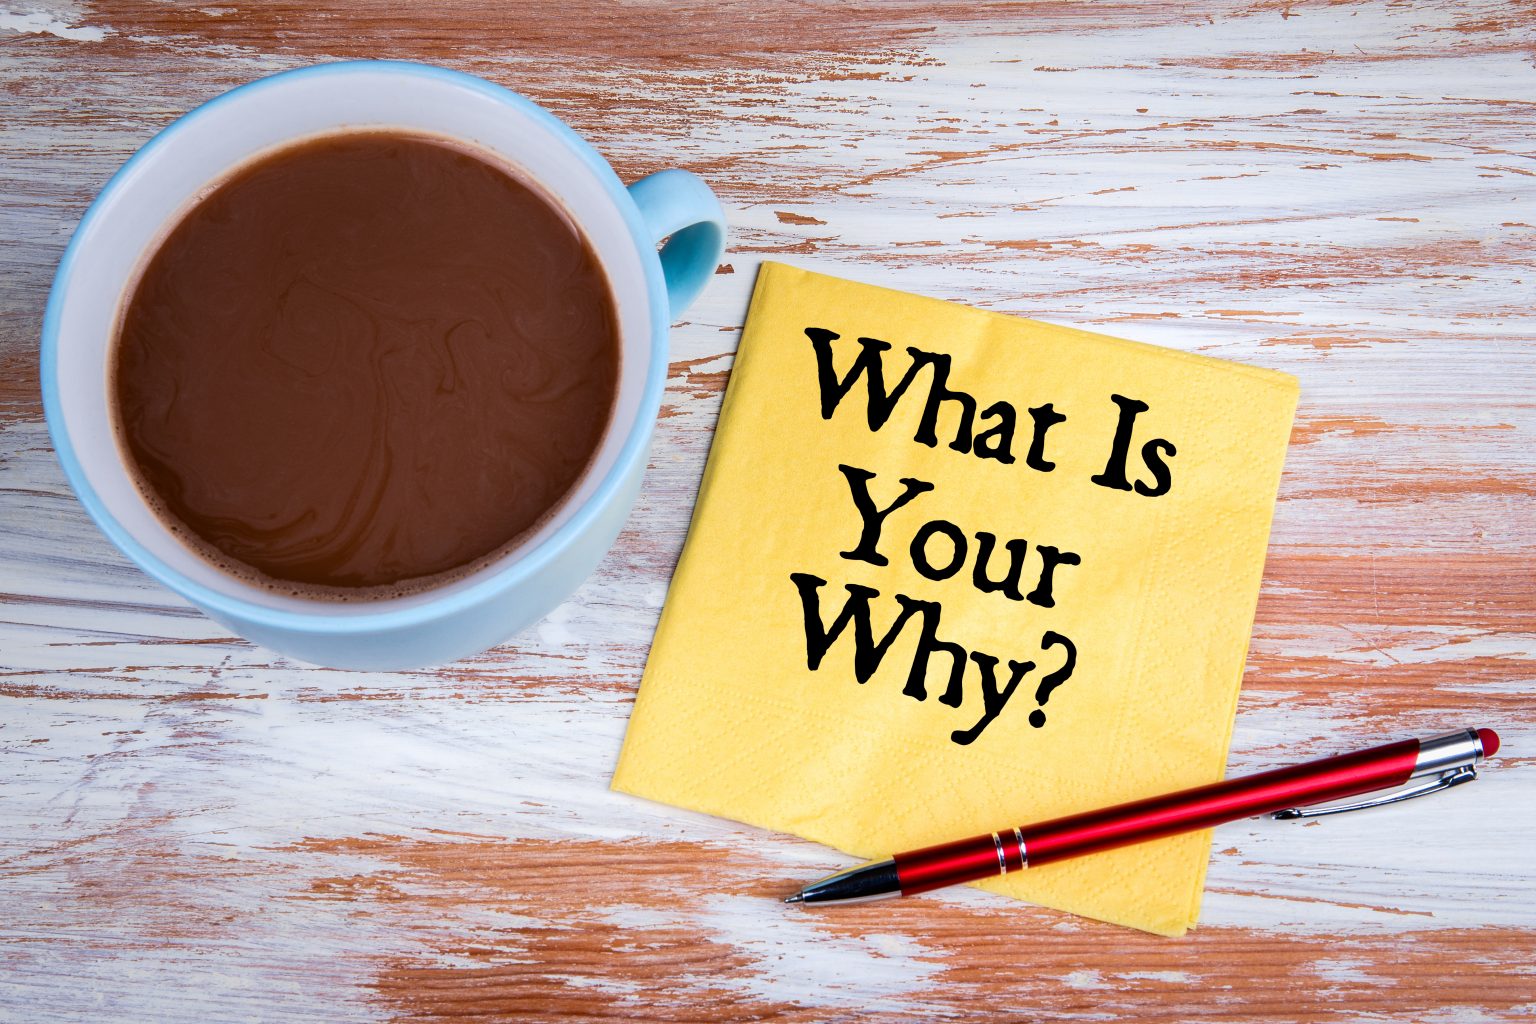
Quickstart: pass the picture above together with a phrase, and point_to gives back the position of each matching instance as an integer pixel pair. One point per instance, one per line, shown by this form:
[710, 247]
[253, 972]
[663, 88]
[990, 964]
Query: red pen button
[1490, 741]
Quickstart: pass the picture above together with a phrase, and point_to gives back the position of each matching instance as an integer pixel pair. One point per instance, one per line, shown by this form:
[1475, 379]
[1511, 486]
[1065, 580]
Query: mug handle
[678, 204]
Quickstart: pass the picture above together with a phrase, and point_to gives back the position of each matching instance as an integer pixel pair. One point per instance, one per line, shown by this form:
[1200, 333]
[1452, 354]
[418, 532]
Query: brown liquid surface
[364, 360]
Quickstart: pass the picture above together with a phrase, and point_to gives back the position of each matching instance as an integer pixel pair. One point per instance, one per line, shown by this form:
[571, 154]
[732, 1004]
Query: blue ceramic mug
[155, 187]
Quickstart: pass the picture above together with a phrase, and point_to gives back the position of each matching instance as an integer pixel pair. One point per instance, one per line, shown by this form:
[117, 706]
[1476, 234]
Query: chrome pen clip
[1441, 762]
[1446, 780]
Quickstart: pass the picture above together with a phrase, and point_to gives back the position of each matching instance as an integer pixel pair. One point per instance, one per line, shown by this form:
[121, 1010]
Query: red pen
[1441, 762]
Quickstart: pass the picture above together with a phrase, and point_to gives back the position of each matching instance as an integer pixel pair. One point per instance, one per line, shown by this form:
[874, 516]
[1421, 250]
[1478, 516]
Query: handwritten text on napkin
[941, 549]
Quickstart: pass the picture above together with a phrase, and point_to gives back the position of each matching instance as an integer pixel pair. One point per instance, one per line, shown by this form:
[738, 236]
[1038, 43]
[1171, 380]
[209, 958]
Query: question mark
[1055, 679]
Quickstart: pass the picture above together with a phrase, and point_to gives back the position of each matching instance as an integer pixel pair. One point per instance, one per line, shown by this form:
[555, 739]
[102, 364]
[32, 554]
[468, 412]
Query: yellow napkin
[1138, 524]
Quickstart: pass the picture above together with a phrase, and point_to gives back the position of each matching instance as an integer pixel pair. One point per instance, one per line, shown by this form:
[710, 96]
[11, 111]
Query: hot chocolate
[364, 365]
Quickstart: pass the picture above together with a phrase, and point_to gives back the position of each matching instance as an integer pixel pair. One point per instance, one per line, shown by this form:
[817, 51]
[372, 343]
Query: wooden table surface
[193, 829]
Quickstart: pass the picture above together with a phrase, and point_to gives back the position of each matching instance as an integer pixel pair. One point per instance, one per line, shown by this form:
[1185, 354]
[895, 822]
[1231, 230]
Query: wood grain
[194, 829]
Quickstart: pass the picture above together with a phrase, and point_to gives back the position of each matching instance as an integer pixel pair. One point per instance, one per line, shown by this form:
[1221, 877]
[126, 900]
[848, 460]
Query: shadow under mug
[155, 187]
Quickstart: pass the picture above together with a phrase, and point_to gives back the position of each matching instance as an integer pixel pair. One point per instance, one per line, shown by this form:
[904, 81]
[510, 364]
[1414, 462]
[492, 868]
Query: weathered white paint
[48, 21]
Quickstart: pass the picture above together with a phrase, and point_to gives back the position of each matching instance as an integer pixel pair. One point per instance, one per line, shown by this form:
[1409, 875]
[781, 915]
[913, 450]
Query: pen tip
[798, 897]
